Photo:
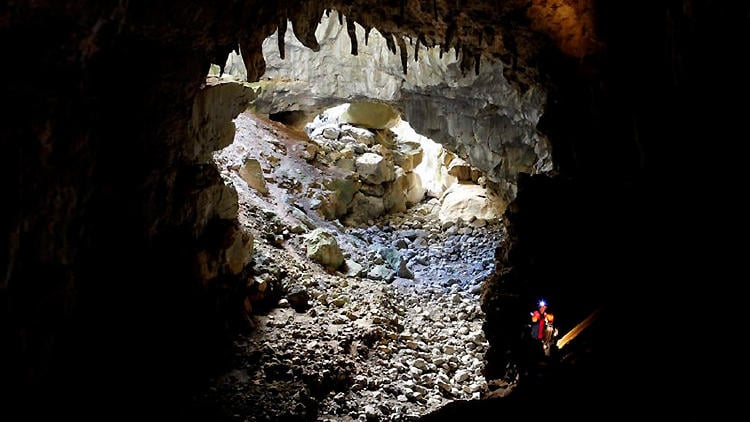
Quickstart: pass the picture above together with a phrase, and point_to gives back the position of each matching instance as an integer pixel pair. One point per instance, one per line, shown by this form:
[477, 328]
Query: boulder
[323, 248]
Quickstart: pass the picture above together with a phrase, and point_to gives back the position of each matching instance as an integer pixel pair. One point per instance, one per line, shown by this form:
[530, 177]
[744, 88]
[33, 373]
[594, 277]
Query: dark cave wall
[105, 180]
[616, 227]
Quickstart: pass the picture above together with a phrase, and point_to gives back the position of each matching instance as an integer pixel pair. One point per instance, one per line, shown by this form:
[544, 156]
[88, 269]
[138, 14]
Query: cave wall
[112, 204]
[615, 229]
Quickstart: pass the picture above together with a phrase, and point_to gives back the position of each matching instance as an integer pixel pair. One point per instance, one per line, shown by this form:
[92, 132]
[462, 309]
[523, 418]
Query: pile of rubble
[375, 321]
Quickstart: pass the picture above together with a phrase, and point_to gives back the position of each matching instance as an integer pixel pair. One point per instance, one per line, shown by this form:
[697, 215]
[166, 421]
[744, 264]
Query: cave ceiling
[513, 31]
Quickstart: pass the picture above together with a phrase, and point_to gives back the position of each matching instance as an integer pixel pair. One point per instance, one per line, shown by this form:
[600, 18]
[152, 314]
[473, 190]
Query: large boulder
[323, 248]
[340, 194]
[408, 155]
[252, 173]
[371, 115]
[394, 197]
[363, 209]
[374, 168]
[415, 192]
[465, 201]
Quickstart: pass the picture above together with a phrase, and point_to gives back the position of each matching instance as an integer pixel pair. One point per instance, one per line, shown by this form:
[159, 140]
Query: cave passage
[391, 306]
[370, 243]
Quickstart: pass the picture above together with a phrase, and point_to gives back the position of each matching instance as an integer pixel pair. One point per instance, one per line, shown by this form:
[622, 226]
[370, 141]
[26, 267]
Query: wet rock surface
[392, 334]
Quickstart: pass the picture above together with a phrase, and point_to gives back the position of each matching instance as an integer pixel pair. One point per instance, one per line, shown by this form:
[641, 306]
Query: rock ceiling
[512, 30]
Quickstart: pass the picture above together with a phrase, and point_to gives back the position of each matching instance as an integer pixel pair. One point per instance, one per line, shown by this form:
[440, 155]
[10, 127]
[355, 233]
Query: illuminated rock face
[370, 115]
[469, 202]
[482, 117]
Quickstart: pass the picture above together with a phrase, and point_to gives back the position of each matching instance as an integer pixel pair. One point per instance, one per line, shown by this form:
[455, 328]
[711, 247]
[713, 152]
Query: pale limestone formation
[408, 155]
[213, 112]
[430, 174]
[460, 169]
[374, 168]
[252, 174]
[394, 197]
[323, 248]
[415, 193]
[370, 115]
[360, 135]
[216, 204]
[391, 172]
[480, 116]
[240, 248]
[466, 201]
[370, 160]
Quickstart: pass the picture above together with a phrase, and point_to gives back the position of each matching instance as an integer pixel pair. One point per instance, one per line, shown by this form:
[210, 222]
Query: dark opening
[293, 118]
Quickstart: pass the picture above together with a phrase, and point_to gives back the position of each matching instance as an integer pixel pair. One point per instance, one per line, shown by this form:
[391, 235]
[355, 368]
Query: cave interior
[101, 311]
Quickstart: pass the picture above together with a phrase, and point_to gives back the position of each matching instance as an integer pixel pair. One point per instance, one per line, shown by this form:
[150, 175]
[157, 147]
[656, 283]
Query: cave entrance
[371, 240]
[389, 311]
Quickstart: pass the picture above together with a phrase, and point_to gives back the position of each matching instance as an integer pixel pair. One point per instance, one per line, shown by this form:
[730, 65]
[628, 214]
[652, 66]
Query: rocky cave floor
[358, 348]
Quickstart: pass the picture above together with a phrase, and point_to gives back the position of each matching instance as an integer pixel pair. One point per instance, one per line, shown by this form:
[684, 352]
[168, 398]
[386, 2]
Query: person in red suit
[542, 327]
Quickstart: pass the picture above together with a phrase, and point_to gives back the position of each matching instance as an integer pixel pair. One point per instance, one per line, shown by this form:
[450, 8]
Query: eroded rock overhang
[477, 114]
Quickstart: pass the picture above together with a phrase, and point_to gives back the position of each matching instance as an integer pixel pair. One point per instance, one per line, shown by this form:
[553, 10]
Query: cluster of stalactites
[474, 30]
[305, 21]
[267, 18]
[396, 40]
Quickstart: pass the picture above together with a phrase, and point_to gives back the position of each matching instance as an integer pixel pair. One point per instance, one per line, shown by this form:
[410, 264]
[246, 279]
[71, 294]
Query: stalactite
[253, 59]
[421, 39]
[467, 60]
[389, 42]
[367, 33]
[341, 18]
[477, 60]
[404, 53]
[304, 24]
[352, 31]
[250, 45]
[450, 35]
[490, 34]
[281, 35]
